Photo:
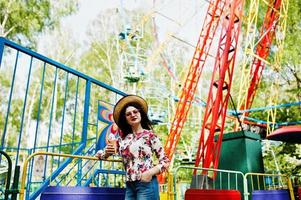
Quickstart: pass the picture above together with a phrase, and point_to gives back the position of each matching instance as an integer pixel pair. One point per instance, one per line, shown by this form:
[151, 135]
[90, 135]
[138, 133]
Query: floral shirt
[137, 151]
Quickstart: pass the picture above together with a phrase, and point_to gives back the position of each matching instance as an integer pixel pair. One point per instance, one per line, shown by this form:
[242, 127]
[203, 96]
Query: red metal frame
[214, 118]
[215, 113]
[211, 22]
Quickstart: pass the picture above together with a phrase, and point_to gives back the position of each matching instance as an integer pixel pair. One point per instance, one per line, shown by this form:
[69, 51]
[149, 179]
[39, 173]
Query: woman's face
[133, 116]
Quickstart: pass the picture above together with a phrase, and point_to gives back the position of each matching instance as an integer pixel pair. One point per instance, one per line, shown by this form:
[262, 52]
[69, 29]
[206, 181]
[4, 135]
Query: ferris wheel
[141, 65]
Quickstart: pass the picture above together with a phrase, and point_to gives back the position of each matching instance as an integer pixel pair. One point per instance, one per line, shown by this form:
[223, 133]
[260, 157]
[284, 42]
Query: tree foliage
[110, 58]
[287, 155]
[22, 21]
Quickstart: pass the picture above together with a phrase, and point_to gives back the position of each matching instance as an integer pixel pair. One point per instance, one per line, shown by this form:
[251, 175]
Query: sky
[182, 18]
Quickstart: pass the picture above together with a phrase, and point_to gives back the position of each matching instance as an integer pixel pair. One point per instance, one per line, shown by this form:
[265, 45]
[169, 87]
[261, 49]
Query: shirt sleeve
[157, 147]
[101, 154]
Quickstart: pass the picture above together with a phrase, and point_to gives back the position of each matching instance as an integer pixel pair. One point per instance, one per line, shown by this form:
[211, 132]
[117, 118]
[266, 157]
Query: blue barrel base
[82, 193]
[270, 194]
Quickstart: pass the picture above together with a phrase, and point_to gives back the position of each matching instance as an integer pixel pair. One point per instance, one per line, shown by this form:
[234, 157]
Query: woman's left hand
[146, 176]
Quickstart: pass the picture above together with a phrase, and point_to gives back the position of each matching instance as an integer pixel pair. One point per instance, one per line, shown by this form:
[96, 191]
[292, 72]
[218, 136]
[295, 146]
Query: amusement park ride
[217, 102]
[257, 51]
[223, 17]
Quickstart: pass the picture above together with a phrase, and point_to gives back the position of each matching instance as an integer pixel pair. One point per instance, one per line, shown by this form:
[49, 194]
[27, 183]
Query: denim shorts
[138, 190]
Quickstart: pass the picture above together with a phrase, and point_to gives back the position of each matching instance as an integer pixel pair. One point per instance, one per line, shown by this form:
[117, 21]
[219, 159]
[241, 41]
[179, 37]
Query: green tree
[287, 154]
[22, 21]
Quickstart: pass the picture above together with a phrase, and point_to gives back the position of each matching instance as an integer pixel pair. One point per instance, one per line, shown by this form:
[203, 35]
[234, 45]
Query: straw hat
[126, 100]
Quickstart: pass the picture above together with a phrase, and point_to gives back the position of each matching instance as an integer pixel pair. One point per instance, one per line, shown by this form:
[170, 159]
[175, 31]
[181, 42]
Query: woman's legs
[130, 193]
[156, 188]
[138, 190]
[148, 190]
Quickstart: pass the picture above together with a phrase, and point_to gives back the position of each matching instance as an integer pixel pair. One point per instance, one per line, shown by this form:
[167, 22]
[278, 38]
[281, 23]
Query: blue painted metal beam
[1, 50]
[239, 112]
[9, 102]
[4, 41]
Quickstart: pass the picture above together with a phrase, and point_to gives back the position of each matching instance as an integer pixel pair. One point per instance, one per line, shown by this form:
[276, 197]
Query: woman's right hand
[108, 151]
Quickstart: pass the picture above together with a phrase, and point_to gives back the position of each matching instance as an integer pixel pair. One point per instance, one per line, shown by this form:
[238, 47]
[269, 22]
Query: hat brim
[126, 100]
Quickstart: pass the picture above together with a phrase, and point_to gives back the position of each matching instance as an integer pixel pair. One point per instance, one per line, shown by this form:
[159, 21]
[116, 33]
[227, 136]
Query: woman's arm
[159, 151]
[148, 175]
[108, 151]
[163, 160]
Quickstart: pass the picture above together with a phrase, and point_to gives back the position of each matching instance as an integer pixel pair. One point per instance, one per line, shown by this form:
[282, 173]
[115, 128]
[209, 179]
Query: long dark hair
[125, 127]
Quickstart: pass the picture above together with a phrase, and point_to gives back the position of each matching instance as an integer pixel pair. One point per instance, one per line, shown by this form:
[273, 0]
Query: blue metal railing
[44, 104]
[75, 166]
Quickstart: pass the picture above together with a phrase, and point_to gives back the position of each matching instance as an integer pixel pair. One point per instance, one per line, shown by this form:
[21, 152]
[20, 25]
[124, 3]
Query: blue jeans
[137, 190]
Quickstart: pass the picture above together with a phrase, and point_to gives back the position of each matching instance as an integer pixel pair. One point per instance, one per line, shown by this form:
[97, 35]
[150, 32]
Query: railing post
[86, 111]
[290, 188]
[6, 192]
[246, 194]
[9, 104]
[15, 189]
[79, 173]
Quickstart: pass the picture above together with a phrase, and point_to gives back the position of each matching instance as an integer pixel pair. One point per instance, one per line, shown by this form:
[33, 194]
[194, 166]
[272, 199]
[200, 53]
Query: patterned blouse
[136, 152]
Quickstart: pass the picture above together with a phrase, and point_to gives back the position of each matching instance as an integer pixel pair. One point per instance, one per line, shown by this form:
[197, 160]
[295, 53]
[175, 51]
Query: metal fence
[249, 185]
[27, 161]
[211, 179]
[46, 106]
[267, 182]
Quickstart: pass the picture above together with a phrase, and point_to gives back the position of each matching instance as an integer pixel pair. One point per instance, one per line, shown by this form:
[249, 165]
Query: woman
[136, 146]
